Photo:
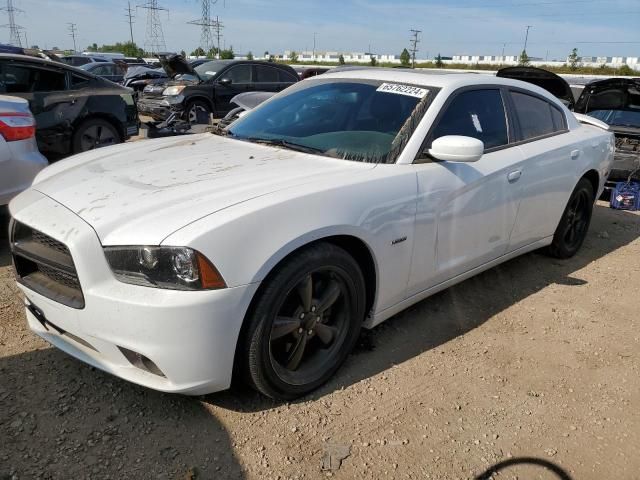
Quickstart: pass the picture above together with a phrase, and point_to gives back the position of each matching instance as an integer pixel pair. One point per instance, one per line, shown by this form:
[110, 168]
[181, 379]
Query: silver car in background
[20, 160]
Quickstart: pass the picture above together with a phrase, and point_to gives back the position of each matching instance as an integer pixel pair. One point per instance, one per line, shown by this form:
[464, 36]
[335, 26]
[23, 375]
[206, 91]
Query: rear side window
[78, 82]
[287, 77]
[23, 79]
[536, 116]
[266, 74]
[475, 113]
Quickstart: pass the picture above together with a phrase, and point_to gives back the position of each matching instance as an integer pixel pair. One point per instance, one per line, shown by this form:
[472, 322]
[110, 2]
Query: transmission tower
[207, 26]
[154, 39]
[414, 45]
[14, 29]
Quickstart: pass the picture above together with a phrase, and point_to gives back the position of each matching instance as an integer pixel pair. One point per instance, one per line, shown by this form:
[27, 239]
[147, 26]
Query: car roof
[426, 78]
[29, 58]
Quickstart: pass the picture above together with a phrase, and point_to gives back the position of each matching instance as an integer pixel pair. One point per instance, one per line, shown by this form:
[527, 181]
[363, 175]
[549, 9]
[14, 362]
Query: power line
[14, 29]
[154, 38]
[414, 46]
[72, 33]
[130, 17]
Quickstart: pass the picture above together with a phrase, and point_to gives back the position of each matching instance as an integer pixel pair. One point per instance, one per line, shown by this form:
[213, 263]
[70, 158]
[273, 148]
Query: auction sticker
[403, 90]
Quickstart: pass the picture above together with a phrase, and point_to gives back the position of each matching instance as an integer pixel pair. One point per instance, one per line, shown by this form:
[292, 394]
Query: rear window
[536, 116]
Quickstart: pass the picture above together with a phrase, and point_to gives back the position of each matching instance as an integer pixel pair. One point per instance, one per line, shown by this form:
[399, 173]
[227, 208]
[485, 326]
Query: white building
[349, 57]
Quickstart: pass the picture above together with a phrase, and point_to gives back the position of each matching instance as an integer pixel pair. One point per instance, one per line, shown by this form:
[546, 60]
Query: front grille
[45, 265]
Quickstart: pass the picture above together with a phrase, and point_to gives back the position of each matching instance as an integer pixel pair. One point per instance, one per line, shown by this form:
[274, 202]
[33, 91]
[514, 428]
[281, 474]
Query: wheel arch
[113, 120]
[201, 97]
[357, 247]
[594, 178]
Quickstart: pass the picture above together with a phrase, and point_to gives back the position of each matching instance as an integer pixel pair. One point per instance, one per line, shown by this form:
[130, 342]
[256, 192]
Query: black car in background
[74, 110]
[208, 88]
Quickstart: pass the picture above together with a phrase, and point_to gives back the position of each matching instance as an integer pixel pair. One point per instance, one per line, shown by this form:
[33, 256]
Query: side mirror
[456, 148]
[225, 81]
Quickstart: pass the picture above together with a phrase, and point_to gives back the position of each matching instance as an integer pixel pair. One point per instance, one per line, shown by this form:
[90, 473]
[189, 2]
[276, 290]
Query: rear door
[237, 79]
[552, 153]
[287, 79]
[267, 79]
[44, 87]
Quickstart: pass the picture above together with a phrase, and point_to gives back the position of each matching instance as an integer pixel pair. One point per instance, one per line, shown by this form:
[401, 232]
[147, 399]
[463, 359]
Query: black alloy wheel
[305, 322]
[575, 221]
[198, 109]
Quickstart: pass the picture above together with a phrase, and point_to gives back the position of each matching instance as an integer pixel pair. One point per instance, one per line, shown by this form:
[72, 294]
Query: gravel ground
[534, 362]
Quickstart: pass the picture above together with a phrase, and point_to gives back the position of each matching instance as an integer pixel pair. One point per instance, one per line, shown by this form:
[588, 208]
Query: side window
[266, 74]
[287, 77]
[239, 74]
[537, 117]
[475, 113]
[101, 70]
[78, 82]
[23, 79]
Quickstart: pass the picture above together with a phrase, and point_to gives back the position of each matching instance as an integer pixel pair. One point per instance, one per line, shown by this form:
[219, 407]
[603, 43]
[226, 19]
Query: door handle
[514, 176]
[575, 154]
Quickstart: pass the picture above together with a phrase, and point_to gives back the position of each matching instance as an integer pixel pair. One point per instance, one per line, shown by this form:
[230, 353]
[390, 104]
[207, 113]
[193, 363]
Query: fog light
[140, 361]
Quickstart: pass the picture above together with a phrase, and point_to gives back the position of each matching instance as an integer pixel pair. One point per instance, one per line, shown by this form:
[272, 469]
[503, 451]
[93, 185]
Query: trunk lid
[551, 82]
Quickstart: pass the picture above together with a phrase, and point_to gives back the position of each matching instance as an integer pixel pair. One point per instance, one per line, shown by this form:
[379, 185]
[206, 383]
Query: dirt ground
[534, 363]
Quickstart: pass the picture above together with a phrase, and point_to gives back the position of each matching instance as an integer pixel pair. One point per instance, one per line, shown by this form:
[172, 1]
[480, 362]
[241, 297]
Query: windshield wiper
[284, 144]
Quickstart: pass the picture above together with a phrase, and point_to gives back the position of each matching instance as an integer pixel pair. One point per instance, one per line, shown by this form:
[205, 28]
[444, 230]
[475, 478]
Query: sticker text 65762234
[400, 89]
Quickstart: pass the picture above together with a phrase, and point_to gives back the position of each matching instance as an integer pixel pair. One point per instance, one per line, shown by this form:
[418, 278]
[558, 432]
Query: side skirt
[383, 315]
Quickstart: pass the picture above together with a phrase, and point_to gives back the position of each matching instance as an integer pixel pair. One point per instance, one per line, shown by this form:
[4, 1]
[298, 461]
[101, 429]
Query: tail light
[17, 126]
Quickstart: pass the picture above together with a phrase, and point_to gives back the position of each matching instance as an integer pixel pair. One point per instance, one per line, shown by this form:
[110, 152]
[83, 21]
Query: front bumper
[189, 336]
[159, 108]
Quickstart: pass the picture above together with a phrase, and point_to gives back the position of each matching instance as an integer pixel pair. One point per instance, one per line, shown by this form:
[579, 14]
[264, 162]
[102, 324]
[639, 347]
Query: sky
[464, 27]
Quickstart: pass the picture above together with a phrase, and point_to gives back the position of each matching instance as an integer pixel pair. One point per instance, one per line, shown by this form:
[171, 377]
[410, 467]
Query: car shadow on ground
[63, 419]
[461, 308]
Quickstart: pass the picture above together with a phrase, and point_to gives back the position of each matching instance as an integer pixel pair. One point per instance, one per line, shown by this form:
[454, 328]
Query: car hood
[176, 65]
[551, 82]
[250, 100]
[141, 192]
[610, 94]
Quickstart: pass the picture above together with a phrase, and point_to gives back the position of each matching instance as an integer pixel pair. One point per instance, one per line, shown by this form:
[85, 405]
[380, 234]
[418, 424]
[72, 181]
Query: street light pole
[314, 46]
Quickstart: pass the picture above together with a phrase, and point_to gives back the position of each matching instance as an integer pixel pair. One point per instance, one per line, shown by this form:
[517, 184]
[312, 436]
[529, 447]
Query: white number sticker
[403, 90]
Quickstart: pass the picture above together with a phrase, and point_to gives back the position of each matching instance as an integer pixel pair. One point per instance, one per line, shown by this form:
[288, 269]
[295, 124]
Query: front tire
[304, 322]
[195, 108]
[575, 221]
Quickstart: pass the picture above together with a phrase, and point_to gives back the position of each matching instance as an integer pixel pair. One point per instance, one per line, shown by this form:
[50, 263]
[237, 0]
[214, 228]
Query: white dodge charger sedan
[260, 251]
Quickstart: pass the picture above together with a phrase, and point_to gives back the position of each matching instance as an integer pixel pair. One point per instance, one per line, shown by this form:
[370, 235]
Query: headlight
[171, 91]
[176, 268]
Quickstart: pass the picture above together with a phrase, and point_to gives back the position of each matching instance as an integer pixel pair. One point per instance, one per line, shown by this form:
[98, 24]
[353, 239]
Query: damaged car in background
[614, 101]
[75, 111]
[262, 250]
[208, 88]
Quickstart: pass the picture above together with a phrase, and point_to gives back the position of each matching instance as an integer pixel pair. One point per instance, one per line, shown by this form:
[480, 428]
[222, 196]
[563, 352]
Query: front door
[467, 210]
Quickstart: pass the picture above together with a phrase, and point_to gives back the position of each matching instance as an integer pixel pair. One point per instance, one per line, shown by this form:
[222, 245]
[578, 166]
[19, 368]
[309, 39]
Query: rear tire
[575, 221]
[304, 322]
[95, 133]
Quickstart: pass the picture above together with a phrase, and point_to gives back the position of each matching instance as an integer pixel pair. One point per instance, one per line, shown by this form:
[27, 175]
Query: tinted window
[537, 117]
[478, 114]
[239, 74]
[78, 82]
[266, 74]
[22, 79]
[77, 61]
[343, 119]
[287, 77]
[101, 70]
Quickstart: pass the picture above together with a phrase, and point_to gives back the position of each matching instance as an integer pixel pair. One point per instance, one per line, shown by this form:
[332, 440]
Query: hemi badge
[398, 240]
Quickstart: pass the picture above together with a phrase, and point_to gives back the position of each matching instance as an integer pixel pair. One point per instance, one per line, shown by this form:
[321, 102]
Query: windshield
[621, 118]
[207, 70]
[357, 120]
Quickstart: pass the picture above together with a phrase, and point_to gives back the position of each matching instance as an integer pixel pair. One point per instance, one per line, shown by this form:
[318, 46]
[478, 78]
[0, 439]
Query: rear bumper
[190, 337]
[20, 163]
